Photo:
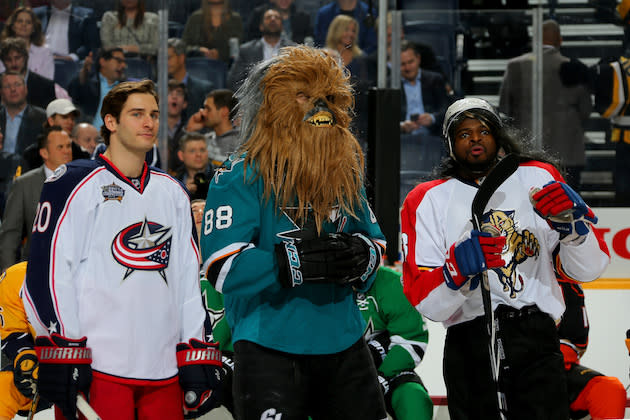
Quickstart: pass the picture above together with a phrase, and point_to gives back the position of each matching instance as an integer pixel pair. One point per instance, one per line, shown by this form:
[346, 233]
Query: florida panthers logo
[143, 246]
[519, 246]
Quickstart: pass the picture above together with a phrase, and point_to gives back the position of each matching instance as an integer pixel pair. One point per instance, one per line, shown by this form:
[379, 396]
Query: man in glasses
[88, 89]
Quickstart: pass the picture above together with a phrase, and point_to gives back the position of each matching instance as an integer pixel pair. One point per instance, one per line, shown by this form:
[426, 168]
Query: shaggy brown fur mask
[296, 110]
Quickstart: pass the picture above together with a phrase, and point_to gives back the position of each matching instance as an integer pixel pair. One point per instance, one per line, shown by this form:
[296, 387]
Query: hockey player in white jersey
[112, 289]
[445, 257]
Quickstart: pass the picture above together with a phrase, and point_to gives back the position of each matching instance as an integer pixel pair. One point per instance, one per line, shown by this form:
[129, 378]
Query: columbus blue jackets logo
[143, 246]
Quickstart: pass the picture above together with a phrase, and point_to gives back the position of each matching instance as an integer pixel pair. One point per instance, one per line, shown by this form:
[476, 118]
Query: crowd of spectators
[102, 41]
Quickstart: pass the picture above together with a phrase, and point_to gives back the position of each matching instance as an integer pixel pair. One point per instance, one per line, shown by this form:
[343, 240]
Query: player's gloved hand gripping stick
[200, 375]
[564, 210]
[469, 257]
[64, 371]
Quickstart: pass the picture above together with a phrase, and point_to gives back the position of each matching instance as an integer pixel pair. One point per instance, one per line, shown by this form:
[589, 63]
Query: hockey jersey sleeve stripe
[618, 97]
[382, 245]
[222, 254]
[218, 264]
[225, 269]
[553, 171]
[415, 349]
[418, 286]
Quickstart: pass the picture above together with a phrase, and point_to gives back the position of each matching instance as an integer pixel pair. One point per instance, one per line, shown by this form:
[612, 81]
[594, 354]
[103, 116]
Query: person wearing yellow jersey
[18, 382]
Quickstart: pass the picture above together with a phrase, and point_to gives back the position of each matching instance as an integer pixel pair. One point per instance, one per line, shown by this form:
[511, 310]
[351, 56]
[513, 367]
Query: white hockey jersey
[437, 214]
[118, 264]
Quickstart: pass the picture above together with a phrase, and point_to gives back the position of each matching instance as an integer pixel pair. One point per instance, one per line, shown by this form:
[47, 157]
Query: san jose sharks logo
[143, 246]
[309, 230]
[519, 246]
[227, 167]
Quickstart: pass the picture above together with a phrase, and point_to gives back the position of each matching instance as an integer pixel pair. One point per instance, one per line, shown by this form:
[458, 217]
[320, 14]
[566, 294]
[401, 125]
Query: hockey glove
[25, 372]
[64, 371]
[379, 346]
[333, 257]
[564, 210]
[200, 376]
[466, 259]
[227, 399]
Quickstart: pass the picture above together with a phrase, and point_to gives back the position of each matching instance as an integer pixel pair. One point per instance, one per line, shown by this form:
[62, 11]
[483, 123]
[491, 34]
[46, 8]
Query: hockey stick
[501, 172]
[86, 409]
[33, 408]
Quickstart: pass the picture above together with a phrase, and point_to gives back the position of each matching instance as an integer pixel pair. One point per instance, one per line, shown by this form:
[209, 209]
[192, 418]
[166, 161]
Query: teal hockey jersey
[240, 230]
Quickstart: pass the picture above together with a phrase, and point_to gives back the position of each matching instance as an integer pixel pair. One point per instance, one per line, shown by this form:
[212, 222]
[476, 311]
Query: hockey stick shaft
[33, 408]
[86, 409]
[497, 176]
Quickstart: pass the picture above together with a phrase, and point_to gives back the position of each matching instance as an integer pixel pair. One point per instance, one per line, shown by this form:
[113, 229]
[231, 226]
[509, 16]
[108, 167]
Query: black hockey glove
[334, 257]
[200, 376]
[19, 347]
[227, 399]
[25, 372]
[64, 371]
[379, 346]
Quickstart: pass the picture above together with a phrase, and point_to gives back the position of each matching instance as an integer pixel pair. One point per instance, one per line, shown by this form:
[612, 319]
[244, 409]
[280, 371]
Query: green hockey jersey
[388, 313]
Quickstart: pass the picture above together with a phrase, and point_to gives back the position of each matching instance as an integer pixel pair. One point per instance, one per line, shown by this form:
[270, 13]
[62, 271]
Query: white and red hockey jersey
[118, 264]
[437, 214]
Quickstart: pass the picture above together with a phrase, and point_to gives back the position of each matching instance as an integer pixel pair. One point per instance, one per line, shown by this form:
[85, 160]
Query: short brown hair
[115, 100]
[13, 44]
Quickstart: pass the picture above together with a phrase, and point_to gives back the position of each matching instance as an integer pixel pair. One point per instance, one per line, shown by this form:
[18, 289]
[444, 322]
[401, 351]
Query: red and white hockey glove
[200, 376]
[469, 257]
[64, 371]
[564, 210]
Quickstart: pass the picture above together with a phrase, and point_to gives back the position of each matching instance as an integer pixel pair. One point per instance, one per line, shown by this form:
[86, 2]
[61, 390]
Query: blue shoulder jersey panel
[56, 193]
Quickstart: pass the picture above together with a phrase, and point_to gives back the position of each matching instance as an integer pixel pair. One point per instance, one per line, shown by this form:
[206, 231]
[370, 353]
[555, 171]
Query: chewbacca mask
[295, 112]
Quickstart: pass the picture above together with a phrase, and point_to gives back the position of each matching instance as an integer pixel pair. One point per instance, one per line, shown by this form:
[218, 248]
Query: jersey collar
[144, 178]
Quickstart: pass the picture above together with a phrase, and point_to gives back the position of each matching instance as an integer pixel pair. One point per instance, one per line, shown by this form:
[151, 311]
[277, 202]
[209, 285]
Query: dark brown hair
[115, 100]
[37, 37]
[122, 16]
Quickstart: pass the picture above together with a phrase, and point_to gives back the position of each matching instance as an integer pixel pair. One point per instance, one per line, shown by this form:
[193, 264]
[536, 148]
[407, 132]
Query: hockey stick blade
[497, 176]
[86, 409]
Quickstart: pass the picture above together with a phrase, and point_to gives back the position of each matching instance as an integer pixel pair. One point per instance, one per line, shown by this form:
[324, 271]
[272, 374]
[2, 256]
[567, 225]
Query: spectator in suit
[86, 136]
[9, 163]
[88, 90]
[296, 25]
[25, 25]
[196, 88]
[565, 109]
[196, 170]
[20, 122]
[62, 113]
[355, 8]
[41, 90]
[70, 34]
[131, 28]
[209, 29]
[259, 49]
[424, 96]
[177, 103]
[21, 206]
[217, 115]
